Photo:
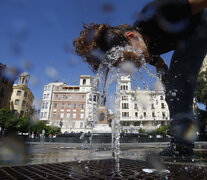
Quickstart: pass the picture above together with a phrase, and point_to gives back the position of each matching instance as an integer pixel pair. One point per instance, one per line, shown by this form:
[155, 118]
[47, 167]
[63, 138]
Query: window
[82, 106]
[68, 115]
[124, 98]
[81, 124]
[44, 96]
[64, 97]
[69, 106]
[55, 105]
[82, 115]
[125, 106]
[74, 106]
[56, 96]
[46, 105]
[23, 103]
[61, 115]
[21, 113]
[57, 88]
[43, 105]
[45, 88]
[145, 114]
[16, 102]
[136, 114]
[161, 98]
[162, 105]
[83, 97]
[126, 87]
[19, 93]
[48, 96]
[45, 114]
[74, 115]
[69, 97]
[62, 106]
[137, 124]
[135, 106]
[73, 124]
[48, 87]
[125, 123]
[94, 98]
[84, 81]
[25, 94]
[54, 115]
[153, 106]
[153, 114]
[41, 115]
[163, 114]
[125, 114]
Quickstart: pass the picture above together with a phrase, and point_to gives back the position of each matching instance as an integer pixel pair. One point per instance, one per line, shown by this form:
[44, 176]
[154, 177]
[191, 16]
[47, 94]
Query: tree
[8, 121]
[201, 92]
[163, 130]
[23, 125]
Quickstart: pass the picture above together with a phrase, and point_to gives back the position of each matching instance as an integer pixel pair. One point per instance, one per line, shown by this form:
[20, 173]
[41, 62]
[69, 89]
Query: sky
[37, 35]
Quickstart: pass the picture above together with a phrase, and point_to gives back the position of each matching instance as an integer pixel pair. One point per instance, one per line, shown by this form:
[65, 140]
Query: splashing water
[108, 74]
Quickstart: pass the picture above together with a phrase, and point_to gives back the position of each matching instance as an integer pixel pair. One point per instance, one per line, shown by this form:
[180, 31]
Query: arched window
[123, 87]
[126, 87]
[84, 81]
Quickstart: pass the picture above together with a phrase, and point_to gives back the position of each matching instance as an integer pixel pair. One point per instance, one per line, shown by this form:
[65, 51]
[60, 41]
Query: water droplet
[173, 94]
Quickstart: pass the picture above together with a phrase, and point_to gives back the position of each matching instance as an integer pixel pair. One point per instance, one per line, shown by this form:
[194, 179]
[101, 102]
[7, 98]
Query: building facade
[141, 108]
[22, 97]
[5, 87]
[67, 106]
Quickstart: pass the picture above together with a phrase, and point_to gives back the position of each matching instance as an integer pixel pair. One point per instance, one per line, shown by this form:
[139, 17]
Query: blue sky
[37, 35]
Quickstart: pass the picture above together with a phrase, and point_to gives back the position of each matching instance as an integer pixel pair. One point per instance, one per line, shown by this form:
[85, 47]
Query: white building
[67, 106]
[141, 108]
[47, 101]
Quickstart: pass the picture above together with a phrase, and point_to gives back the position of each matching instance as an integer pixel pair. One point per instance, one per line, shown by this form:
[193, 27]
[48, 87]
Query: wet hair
[96, 39]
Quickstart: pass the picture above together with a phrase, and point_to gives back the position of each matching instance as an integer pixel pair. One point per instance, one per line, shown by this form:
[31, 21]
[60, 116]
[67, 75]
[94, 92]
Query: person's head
[96, 39]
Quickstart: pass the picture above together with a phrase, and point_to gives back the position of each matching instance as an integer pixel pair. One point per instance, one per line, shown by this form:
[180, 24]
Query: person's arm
[197, 5]
[161, 67]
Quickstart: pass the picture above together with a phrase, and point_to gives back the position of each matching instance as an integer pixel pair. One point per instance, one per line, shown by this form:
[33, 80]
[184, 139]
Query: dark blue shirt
[165, 23]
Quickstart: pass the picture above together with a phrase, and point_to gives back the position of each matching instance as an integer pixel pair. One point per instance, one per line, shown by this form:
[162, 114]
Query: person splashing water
[158, 30]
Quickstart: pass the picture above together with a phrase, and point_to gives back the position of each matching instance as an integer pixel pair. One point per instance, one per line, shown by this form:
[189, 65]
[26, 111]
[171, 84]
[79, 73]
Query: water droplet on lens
[173, 94]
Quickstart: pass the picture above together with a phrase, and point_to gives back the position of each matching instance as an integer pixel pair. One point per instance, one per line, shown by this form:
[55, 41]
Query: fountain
[106, 75]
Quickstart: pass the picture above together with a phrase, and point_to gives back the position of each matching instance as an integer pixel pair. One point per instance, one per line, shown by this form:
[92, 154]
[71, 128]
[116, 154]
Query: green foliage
[163, 130]
[201, 92]
[12, 124]
[142, 130]
[40, 125]
[52, 130]
[5, 115]
[8, 120]
[23, 125]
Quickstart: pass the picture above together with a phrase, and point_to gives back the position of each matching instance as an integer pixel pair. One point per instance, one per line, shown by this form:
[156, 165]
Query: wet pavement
[103, 169]
[75, 161]
[64, 152]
